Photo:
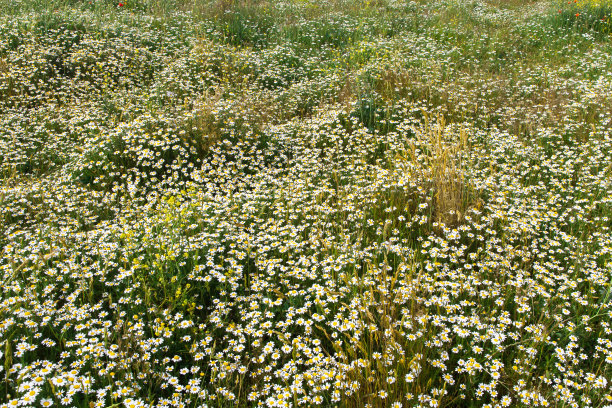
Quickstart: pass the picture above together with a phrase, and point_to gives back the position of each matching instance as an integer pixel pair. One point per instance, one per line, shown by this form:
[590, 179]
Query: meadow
[300, 203]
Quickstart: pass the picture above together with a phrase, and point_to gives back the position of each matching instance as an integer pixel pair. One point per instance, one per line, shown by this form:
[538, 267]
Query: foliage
[347, 203]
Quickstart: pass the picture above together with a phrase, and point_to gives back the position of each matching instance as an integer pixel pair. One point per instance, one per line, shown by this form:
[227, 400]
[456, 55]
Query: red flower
[120, 4]
[577, 14]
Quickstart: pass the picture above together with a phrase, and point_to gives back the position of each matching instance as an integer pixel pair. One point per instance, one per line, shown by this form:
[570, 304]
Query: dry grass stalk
[435, 159]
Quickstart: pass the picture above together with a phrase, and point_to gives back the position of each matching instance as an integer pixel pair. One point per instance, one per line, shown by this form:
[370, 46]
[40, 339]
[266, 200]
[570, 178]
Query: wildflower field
[300, 203]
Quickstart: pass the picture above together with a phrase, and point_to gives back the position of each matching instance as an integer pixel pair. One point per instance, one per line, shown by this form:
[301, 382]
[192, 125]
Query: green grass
[240, 203]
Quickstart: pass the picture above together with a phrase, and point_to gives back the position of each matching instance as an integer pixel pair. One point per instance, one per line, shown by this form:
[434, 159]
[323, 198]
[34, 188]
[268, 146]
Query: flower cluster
[375, 205]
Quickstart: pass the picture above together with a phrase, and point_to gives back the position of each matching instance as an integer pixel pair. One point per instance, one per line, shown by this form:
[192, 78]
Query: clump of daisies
[376, 204]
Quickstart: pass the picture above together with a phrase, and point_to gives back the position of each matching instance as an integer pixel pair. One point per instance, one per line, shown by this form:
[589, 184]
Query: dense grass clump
[348, 203]
[586, 16]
